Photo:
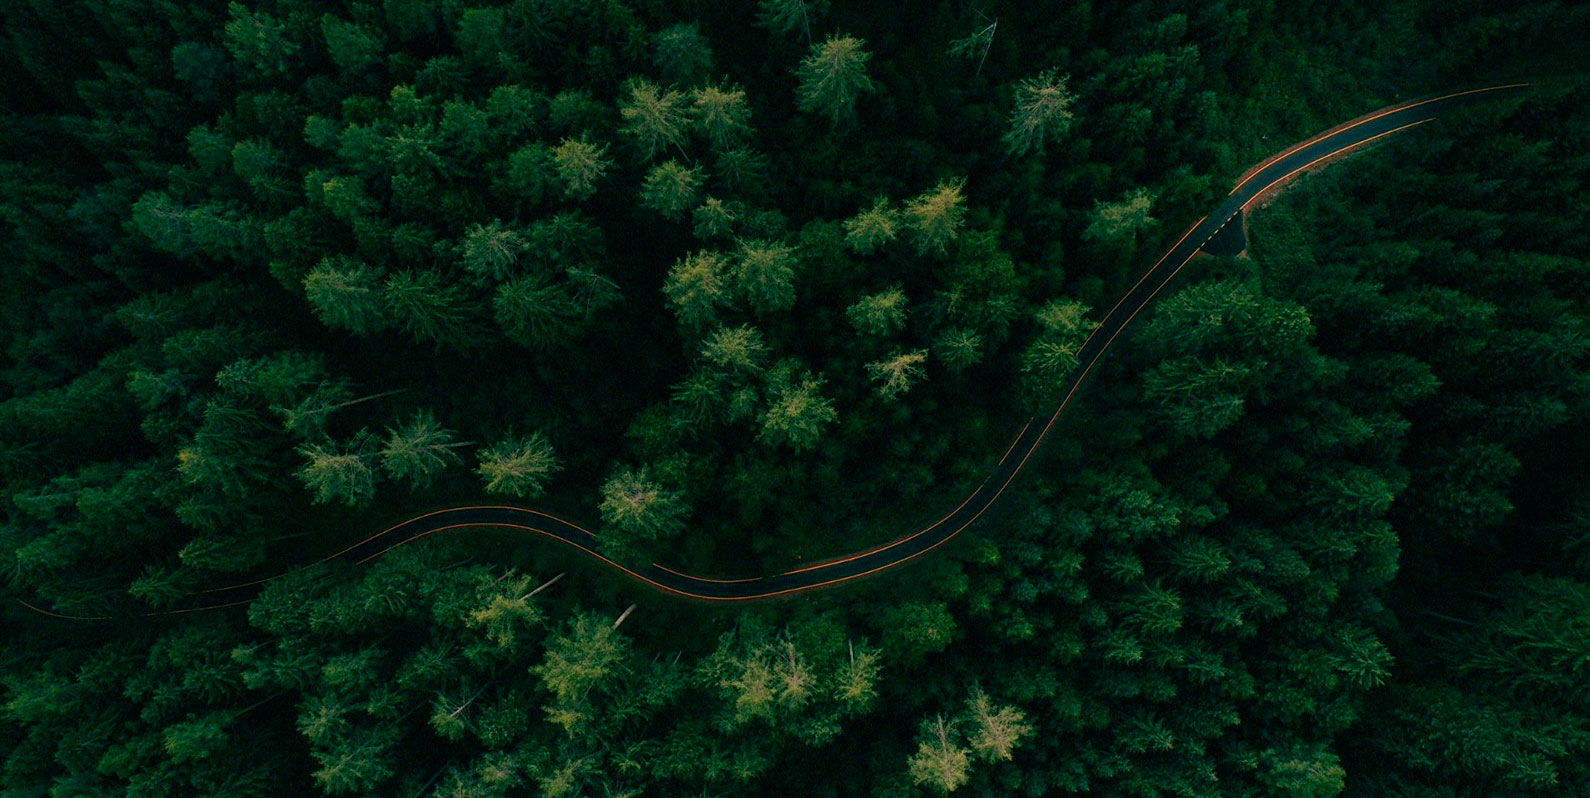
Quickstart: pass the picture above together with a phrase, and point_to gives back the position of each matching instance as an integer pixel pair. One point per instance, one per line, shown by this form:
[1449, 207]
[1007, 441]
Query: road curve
[1267, 175]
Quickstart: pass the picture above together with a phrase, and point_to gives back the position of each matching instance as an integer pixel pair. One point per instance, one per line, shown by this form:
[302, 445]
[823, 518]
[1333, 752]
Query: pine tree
[995, 730]
[976, 45]
[430, 309]
[518, 465]
[788, 16]
[357, 762]
[670, 189]
[491, 252]
[856, 679]
[879, 314]
[934, 217]
[764, 275]
[346, 293]
[797, 412]
[259, 41]
[869, 230]
[696, 286]
[721, 115]
[940, 762]
[653, 118]
[833, 76]
[418, 450]
[735, 350]
[681, 54]
[579, 165]
[743, 170]
[896, 373]
[714, 218]
[1042, 113]
[637, 511]
[578, 659]
[1121, 221]
[339, 473]
[535, 313]
[352, 46]
[958, 348]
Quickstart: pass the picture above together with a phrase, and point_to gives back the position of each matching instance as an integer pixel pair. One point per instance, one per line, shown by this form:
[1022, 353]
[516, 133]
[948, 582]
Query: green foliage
[430, 310]
[258, 41]
[653, 118]
[1121, 221]
[491, 252]
[1042, 113]
[352, 46]
[416, 451]
[715, 218]
[637, 512]
[764, 275]
[696, 286]
[870, 230]
[347, 294]
[896, 373]
[681, 53]
[878, 314]
[670, 189]
[788, 16]
[934, 218]
[579, 165]
[518, 466]
[797, 412]
[336, 473]
[833, 76]
[721, 115]
[1313, 527]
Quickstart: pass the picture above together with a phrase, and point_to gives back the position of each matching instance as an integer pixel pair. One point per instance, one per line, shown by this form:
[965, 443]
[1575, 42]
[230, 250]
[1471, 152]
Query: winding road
[1256, 183]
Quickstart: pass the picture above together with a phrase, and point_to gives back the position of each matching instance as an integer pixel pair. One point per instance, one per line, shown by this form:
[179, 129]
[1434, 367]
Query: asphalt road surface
[1267, 175]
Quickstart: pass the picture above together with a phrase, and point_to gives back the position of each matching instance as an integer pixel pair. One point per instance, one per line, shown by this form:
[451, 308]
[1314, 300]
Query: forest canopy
[744, 286]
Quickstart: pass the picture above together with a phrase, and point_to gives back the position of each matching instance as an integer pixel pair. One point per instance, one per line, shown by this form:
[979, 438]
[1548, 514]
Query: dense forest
[740, 286]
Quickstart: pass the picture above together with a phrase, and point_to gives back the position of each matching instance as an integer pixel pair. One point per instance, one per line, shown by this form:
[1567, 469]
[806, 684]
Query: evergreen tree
[870, 230]
[418, 450]
[682, 54]
[797, 412]
[670, 189]
[995, 730]
[696, 286]
[736, 350]
[429, 309]
[1042, 113]
[637, 512]
[352, 46]
[491, 252]
[764, 275]
[878, 314]
[340, 473]
[788, 16]
[833, 76]
[958, 348]
[934, 218]
[346, 293]
[579, 165]
[518, 465]
[653, 118]
[714, 218]
[940, 762]
[1121, 221]
[897, 372]
[721, 115]
[258, 41]
[536, 313]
